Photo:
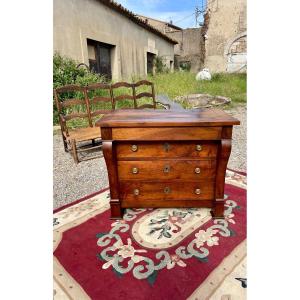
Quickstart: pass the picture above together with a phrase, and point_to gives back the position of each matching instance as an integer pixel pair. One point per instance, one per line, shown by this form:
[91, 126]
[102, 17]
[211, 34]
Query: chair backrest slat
[143, 82]
[145, 94]
[69, 88]
[123, 97]
[71, 102]
[122, 84]
[100, 99]
[101, 112]
[69, 117]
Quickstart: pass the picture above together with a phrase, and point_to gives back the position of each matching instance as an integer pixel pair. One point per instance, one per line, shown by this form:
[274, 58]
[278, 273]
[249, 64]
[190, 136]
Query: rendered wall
[75, 21]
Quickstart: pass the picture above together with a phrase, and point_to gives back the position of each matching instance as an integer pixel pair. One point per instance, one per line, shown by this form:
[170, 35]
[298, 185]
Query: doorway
[150, 63]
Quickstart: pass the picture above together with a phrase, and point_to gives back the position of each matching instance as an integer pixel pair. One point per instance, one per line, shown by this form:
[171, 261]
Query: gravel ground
[238, 156]
[72, 181]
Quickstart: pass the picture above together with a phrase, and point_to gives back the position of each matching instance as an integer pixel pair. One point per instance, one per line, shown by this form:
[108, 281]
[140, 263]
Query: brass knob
[167, 190]
[136, 192]
[135, 170]
[166, 147]
[197, 191]
[134, 148]
[198, 147]
[167, 169]
[197, 170]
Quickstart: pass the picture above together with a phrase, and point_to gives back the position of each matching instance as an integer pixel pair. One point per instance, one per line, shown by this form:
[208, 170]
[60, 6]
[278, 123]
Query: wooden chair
[75, 105]
[126, 96]
[151, 95]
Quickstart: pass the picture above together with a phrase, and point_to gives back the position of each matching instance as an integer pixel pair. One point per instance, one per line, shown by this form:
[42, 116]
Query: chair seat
[84, 134]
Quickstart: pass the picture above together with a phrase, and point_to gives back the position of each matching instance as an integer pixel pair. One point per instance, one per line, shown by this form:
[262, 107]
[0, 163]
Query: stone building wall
[188, 48]
[226, 36]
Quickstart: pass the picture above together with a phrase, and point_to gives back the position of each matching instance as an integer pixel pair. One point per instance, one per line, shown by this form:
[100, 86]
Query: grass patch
[176, 84]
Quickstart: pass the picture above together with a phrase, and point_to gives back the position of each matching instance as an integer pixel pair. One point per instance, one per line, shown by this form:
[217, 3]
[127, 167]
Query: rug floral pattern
[121, 255]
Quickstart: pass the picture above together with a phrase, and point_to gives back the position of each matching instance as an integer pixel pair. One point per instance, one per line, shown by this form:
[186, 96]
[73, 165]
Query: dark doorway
[150, 62]
[100, 57]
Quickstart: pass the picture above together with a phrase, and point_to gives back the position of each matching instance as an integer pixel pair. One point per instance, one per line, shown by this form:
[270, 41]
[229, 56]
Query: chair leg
[65, 143]
[74, 151]
[93, 142]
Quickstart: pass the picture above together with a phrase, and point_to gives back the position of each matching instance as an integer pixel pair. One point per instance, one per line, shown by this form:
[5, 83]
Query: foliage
[160, 66]
[65, 72]
[185, 65]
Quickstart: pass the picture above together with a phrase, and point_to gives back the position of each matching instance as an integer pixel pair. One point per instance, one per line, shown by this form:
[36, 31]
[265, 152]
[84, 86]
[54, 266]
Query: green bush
[65, 72]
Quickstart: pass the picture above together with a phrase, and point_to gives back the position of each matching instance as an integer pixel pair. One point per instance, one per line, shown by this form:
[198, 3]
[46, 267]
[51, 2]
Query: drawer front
[166, 170]
[166, 133]
[138, 191]
[199, 149]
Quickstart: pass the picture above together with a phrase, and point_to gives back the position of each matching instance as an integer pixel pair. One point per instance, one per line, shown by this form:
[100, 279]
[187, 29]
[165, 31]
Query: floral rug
[151, 253]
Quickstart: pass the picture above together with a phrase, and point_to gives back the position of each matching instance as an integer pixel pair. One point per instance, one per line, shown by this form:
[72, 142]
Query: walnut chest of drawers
[166, 158]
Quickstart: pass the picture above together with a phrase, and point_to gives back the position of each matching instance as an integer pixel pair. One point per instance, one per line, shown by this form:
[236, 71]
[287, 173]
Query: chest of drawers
[166, 158]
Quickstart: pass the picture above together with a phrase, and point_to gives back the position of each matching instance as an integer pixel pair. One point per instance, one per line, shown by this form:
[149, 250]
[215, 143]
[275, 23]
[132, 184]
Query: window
[99, 55]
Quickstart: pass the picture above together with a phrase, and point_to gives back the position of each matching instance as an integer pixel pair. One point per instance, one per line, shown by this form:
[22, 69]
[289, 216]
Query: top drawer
[193, 149]
[167, 133]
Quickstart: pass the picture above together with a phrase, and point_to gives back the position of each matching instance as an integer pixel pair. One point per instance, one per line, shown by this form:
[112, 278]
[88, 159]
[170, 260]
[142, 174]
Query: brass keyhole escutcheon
[198, 147]
[197, 170]
[136, 192]
[197, 191]
[167, 190]
[134, 148]
[135, 170]
[167, 169]
[166, 147]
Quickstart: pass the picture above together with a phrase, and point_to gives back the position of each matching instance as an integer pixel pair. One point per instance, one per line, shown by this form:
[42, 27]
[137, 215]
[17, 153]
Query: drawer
[166, 169]
[167, 133]
[135, 191]
[196, 149]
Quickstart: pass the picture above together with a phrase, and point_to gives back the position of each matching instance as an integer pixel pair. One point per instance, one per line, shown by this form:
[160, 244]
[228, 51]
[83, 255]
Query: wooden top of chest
[167, 118]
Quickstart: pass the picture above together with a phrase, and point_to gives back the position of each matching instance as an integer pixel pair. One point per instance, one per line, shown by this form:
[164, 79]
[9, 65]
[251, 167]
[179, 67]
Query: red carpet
[151, 254]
